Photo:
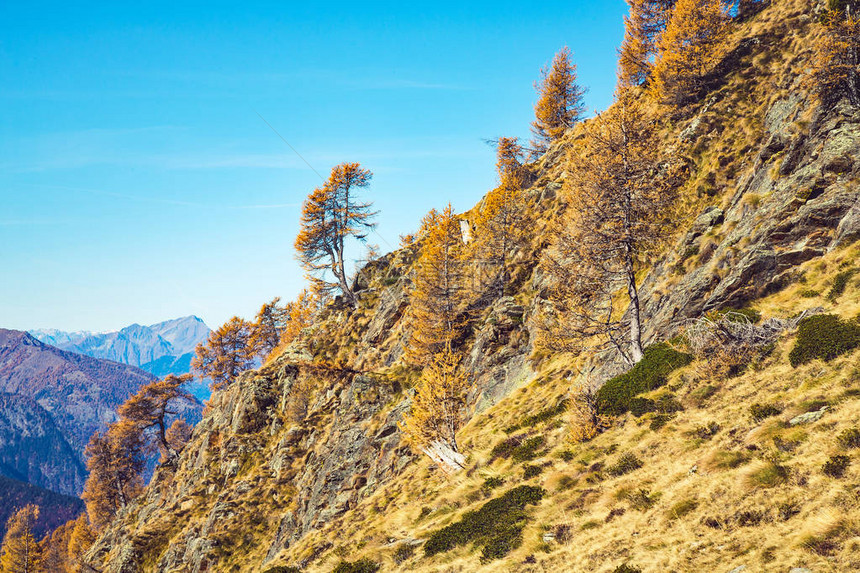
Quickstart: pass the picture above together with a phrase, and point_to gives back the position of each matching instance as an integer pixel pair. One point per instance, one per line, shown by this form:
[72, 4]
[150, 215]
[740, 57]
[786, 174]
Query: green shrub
[769, 475]
[809, 293]
[659, 421]
[493, 482]
[682, 508]
[496, 526]
[835, 467]
[363, 565]
[403, 553]
[518, 448]
[627, 463]
[850, 438]
[707, 431]
[625, 568]
[760, 412]
[639, 406]
[642, 500]
[700, 395]
[541, 416]
[648, 374]
[824, 336]
[283, 569]
[840, 283]
[530, 471]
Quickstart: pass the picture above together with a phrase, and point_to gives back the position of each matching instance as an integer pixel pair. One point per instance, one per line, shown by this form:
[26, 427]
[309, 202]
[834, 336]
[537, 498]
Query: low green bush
[403, 553]
[625, 568]
[660, 420]
[530, 471]
[648, 374]
[540, 417]
[493, 482]
[364, 565]
[283, 569]
[518, 448]
[835, 467]
[496, 526]
[760, 412]
[627, 463]
[824, 336]
[850, 438]
[840, 283]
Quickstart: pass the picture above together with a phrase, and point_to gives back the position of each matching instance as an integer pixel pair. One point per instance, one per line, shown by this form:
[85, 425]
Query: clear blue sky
[137, 182]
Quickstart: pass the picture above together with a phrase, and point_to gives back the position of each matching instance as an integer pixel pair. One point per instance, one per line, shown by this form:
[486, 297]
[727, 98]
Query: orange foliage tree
[227, 353]
[330, 215]
[20, 552]
[500, 222]
[438, 286]
[115, 461]
[619, 214]
[560, 101]
[836, 64]
[439, 403]
[267, 328]
[693, 42]
[642, 29]
[150, 407]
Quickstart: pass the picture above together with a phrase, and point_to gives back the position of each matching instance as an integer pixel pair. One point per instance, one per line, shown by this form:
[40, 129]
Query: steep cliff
[285, 473]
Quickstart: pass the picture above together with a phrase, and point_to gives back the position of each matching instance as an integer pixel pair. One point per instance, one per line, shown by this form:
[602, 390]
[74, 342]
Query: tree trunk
[635, 319]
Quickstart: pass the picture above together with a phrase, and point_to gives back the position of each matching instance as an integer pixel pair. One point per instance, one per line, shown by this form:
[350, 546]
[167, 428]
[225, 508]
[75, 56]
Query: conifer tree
[20, 551]
[438, 286]
[150, 407]
[80, 541]
[439, 403]
[560, 101]
[115, 462]
[268, 327]
[226, 354]
[693, 42]
[500, 222]
[642, 29]
[836, 61]
[619, 209]
[54, 549]
[330, 215]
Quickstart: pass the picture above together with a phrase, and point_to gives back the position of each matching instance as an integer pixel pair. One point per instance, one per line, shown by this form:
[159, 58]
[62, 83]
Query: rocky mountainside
[279, 479]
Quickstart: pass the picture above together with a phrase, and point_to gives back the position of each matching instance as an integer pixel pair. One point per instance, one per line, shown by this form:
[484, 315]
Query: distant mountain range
[160, 349]
[54, 508]
[51, 402]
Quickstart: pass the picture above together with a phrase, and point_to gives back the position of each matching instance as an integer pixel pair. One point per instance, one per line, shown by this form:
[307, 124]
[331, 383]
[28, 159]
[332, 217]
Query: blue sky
[138, 183]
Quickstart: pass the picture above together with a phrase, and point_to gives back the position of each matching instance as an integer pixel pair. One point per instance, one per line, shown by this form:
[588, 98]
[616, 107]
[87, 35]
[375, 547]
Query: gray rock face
[808, 417]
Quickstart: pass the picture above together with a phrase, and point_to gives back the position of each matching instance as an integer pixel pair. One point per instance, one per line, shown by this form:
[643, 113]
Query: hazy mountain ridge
[135, 344]
[54, 508]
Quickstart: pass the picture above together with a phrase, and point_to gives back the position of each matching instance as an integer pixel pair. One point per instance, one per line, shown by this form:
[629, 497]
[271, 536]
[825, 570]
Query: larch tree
[836, 61]
[642, 28]
[227, 353]
[619, 209]
[330, 215]
[54, 549]
[152, 405]
[81, 539]
[20, 551]
[115, 462]
[560, 101]
[692, 43]
[438, 286]
[268, 327]
[438, 409]
[500, 222]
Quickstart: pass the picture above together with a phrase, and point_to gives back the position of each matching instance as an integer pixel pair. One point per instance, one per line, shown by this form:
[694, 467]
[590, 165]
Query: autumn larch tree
[226, 354]
[330, 215]
[618, 214]
[115, 462]
[693, 42]
[54, 549]
[560, 101]
[836, 61]
[500, 222]
[438, 286]
[438, 409]
[268, 327]
[20, 550]
[642, 28]
[152, 405]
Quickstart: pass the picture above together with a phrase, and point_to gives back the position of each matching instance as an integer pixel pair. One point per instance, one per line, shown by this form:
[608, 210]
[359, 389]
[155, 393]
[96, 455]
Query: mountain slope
[277, 476]
[54, 509]
[34, 450]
